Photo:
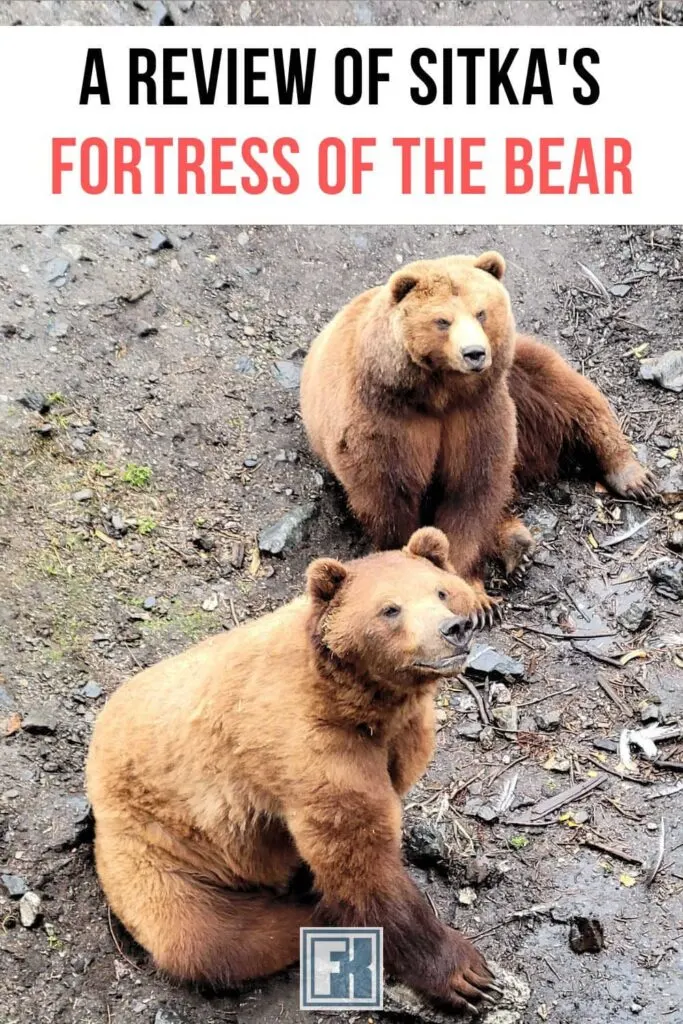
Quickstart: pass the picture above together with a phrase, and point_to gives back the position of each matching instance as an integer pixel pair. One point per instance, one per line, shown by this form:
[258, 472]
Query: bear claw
[633, 481]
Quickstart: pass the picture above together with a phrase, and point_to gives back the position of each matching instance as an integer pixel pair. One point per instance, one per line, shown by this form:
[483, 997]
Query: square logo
[341, 969]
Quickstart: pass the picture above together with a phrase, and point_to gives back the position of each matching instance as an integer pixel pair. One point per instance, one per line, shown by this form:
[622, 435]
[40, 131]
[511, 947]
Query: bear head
[395, 618]
[453, 316]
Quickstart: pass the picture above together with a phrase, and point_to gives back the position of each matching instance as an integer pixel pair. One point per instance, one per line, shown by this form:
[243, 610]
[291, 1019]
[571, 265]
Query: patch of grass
[56, 398]
[136, 476]
[146, 525]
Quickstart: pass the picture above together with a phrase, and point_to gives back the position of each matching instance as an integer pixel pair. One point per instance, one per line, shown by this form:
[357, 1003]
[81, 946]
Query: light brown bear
[425, 403]
[216, 776]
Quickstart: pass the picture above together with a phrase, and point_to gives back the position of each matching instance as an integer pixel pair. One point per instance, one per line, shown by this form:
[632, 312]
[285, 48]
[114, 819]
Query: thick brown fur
[217, 777]
[415, 434]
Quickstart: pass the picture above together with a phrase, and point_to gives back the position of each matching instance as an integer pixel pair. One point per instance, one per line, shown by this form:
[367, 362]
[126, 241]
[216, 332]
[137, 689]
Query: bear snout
[474, 357]
[457, 631]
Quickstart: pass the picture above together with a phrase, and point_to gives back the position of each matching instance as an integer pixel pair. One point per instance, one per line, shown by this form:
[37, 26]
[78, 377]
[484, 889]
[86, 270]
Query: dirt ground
[149, 430]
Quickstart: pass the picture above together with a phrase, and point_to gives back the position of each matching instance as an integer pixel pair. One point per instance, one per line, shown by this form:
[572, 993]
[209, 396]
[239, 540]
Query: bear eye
[442, 323]
[390, 611]
[442, 595]
[481, 316]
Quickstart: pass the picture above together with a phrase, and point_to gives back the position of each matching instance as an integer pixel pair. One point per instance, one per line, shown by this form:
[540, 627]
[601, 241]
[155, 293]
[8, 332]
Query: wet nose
[474, 356]
[456, 629]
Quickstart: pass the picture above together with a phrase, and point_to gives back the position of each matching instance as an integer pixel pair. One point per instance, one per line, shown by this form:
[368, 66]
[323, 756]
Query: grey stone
[542, 523]
[287, 373]
[159, 240]
[16, 885]
[487, 738]
[478, 808]
[288, 531]
[548, 720]
[34, 401]
[675, 540]
[527, 723]
[118, 524]
[250, 462]
[505, 717]
[244, 365]
[620, 290]
[665, 370]
[6, 699]
[57, 329]
[470, 730]
[667, 576]
[426, 847]
[39, 722]
[166, 1016]
[57, 271]
[500, 694]
[149, 603]
[478, 870]
[484, 660]
[91, 690]
[671, 483]
[636, 616]
[29, 909]
[84, 495]
[650, 713]
[161, 14]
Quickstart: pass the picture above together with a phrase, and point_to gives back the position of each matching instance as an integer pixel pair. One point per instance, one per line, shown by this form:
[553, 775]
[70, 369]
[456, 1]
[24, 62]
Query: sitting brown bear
[217, 775]
[425, 403]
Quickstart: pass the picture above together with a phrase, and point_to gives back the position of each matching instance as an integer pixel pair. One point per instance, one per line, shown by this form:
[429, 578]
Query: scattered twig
[667, 791]
[481, 708]
[507, 767]
[556, 636]
[654, 863]
[537, 700]
[613, 851]
[546, 807]
[118, 945]
[605, 686]
[172, 547]
[602, 658]
[624, 776]
[233, 612]
[596, 282]
[674, 766]
[516, 915]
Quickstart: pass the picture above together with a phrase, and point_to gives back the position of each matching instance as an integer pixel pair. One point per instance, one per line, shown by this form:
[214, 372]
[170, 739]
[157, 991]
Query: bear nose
[456, 629]
[474, 356]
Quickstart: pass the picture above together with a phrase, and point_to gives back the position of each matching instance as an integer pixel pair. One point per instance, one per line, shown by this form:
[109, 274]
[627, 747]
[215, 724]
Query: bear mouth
[444, 666]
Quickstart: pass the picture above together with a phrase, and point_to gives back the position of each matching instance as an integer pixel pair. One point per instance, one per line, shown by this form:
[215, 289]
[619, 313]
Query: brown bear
[218, 776]
[425, 403]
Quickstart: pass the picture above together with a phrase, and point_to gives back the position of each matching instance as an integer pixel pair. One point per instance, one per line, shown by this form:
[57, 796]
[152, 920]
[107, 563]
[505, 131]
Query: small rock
[15, 884]
[671, 484]
[287, 455]
[548, 720]
[527, 723]
[478, 870]
[211, 603]
[505, 718]
[487, 738]
[57, 329]
[29, 908]
[237, 554]
[144, 329]
[586, 935]
[620, 290]
[245, 11]
[470, 730]
[288, 531]
[244, 365]
[39, 723]
[636, 617]
[500, 694]
[287, 373]
[609, 746]
[243, 238]
[636, 1007]
[161, 16]
[149, 603]
[467, 897]
[34, 401]
[542, 523]
[203, 541]
[665, 370]
[160, 241]
[425, 847]
[650, 713]
[667, 576]
[249, 332]
[57, 271]
[675, 541]
[91, 690]
[484, 660]
[118, 525]
[84, 495]
[165, 1016]
[478, 808]
[250, 462]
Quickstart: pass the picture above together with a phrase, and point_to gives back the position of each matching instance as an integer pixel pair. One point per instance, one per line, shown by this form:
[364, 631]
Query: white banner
[287, 125]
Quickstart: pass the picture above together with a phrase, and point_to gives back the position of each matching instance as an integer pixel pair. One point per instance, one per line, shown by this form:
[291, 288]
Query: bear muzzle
[456, 631]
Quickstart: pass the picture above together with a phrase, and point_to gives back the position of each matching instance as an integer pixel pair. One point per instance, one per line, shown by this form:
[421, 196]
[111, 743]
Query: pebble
[165, 1016]
[477, 808]
[675, 541]
[249, 331]
[15, 884]
[144, 329]
[288, 531]
[57, 329]
[484, 660]
[29, 908]
[34, 401]
[671, 484]
[287, 373]
[211, 603]
[39, 723]
[636, 616]
[467, 897]
[478, 870]
[487, 738]
[149, 603]
[500, 694]
[118, 524]
[161, 14]
[620, 290]
[665, 370]
[250, 462]
[667, 576]
[203, 541]
[160, 241]
[84, 495]
[542, 523]
[57, 271]
[505, 718]
[650, 713]
[470, 730]
[548, 720]
[91, 690]
[243, 238]
[425, 846]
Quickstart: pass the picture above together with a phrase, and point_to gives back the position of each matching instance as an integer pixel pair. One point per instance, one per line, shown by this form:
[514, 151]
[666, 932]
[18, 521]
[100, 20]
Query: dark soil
[167, 441]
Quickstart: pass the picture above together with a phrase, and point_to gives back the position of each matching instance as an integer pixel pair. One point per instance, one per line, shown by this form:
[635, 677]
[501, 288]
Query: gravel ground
[149, 430]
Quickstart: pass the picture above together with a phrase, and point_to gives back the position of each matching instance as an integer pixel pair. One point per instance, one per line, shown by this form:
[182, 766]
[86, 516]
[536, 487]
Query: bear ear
[431, 544]
[400, 283]
[324, 577]
[492, 262]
